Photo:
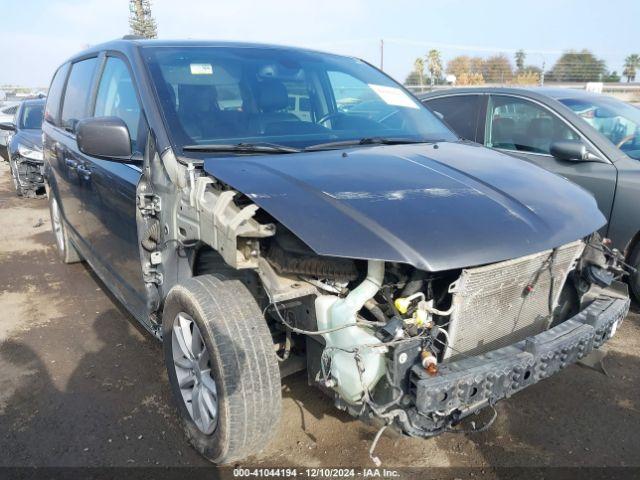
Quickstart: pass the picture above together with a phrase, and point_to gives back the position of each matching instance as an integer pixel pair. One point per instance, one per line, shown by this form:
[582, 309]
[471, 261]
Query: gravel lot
[81, 385]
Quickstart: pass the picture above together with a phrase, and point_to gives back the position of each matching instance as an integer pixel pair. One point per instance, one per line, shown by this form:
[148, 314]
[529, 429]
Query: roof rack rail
[133, 37]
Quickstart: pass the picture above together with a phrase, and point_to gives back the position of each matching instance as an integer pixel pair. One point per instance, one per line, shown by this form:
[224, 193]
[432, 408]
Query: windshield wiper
[241, 148]
[363, 141]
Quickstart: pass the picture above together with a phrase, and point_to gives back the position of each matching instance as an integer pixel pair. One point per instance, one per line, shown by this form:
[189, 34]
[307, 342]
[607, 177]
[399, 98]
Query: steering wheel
[329, 116]
[388, 116]
[625, 140]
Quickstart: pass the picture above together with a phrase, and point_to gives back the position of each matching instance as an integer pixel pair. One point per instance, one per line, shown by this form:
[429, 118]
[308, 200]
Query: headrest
[540, 128]
[272, 95]
[503, 127]
[197, 98]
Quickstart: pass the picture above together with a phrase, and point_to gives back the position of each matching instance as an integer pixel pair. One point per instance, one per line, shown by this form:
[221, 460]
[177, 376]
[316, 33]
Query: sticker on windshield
[393, 96]
[201, 69]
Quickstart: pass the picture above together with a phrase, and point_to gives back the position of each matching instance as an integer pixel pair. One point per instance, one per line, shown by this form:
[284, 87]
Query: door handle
[71, 163]
[84, 171]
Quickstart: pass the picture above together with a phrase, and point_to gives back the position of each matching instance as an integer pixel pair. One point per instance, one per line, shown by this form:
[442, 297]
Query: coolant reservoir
[332, 312]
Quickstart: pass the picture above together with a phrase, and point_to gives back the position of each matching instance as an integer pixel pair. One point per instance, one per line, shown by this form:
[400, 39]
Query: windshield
[618, 121]
[32, 114]
[287, 97]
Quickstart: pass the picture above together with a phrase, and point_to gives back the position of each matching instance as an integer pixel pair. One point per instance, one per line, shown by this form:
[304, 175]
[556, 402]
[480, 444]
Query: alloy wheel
[192, 364]
[14, 176]
[56, 224]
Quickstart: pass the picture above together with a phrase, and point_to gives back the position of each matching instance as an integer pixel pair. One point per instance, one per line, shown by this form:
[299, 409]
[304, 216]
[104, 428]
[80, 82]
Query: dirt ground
[81, 385]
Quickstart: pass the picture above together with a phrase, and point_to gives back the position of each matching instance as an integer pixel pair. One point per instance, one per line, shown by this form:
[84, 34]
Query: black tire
[634, 280]
[243, 365]
[66, 251]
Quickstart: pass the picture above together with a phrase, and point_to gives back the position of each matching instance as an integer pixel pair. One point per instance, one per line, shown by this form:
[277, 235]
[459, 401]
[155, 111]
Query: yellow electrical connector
[402, 304]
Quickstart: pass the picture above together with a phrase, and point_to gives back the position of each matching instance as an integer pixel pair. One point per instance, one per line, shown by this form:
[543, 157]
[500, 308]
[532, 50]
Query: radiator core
[502, 303]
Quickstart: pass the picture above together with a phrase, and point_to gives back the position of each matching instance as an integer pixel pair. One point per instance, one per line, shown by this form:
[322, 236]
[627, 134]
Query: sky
[38, 35]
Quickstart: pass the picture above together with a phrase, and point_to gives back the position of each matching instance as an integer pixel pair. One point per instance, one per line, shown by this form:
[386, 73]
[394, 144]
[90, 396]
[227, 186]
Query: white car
[7, 113]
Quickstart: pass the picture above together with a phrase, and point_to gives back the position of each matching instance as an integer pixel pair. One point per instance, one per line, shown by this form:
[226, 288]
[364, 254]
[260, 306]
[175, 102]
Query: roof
[34, 101]
[127, 43]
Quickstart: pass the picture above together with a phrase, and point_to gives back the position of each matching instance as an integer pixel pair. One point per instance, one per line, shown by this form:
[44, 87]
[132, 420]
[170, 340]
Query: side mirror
[104, 137]
[7, 126]
[572, 151]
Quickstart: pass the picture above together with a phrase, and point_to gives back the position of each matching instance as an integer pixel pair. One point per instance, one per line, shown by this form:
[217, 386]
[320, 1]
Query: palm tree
[631, 63]
[434, 62]
[418, 67]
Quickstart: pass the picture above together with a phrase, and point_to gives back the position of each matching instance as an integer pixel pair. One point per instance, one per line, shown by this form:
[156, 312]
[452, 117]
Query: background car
[25, 148]
[7, 114]
[591, 139]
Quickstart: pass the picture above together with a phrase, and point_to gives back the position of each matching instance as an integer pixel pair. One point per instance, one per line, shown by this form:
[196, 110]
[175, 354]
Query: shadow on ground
[113, 409]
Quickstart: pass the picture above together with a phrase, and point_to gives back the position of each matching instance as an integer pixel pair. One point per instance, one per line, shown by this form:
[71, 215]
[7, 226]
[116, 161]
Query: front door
[110, 202]
[527, 129]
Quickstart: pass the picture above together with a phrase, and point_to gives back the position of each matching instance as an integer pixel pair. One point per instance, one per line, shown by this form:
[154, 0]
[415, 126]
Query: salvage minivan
[416, 277]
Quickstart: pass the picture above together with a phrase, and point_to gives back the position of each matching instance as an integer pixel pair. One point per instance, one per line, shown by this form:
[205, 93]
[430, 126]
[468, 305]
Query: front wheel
[14, 177]
[66, 250]
[634, 279]
[222, 367]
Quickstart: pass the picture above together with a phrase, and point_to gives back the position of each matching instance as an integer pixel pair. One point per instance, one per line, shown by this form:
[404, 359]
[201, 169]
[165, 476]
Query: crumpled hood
[436, 208]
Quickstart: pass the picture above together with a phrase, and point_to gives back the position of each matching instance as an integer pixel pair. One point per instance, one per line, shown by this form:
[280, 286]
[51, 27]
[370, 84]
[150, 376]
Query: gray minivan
[415, 277]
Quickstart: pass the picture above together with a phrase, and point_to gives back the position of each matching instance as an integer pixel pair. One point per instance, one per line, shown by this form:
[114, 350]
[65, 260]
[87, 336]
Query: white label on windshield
[393, 96]
[201, 69]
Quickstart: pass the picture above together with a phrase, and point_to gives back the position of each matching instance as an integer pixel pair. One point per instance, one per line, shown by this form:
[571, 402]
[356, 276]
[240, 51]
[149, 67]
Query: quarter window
[76, 97]
[52, 109]
[117, 97]
[521, 125]
[459, 111]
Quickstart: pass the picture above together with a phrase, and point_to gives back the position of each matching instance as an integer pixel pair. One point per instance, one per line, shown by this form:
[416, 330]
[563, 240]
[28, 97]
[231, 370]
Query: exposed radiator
[492, 306]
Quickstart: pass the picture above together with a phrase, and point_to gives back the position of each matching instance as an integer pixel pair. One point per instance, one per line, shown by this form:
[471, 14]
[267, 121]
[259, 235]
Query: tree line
[572, 66]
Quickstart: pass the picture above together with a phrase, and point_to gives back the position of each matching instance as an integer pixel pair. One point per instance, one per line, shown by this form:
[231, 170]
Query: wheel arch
[631, 245]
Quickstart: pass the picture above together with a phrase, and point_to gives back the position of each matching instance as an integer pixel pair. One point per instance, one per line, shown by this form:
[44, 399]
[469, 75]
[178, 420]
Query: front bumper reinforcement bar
[465, 385]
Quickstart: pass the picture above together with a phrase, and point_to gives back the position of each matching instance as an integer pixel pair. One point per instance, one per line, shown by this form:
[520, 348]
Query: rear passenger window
[52, 110]
[117, 97]
[76, 97]
[459, 111]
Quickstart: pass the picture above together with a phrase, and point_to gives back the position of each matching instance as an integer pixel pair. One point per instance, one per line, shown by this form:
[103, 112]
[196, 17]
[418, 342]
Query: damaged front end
[27, 172]
[413, 348]
[416, 349]
[422, 350]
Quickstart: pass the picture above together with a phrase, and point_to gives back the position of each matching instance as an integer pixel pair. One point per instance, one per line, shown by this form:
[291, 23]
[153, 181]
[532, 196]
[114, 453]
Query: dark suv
[264, 210]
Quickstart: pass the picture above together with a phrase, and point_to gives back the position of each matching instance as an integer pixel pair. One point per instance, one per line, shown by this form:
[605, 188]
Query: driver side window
[117, 98]
[520, 125]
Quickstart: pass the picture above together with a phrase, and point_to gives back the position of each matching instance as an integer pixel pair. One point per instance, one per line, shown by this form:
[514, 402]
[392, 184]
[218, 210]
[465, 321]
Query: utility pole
[381, 54]
[542, 74]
